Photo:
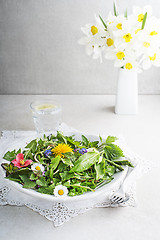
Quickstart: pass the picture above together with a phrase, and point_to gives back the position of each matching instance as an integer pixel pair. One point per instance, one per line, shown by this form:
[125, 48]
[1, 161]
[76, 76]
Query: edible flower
[81, 150]
[20, 162]
[60, 191]
[60, 149]
[47, 152]
[37, 167]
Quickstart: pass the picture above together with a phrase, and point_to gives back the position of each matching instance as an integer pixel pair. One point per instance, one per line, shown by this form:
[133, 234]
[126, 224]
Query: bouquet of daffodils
[133, 41]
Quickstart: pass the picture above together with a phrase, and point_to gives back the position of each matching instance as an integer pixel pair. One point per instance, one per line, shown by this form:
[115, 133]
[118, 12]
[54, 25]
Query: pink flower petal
[19, 156]
[16, 163]
[27, 162]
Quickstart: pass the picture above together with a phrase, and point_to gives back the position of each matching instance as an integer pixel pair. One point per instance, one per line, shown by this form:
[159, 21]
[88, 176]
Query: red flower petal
[17, 161]
[19, 156]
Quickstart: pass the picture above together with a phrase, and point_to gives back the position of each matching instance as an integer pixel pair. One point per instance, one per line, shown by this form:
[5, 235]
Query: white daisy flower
[37, 167]
[60, 191]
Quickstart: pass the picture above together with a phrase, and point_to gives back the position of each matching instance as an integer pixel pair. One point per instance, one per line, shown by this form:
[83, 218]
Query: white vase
[127, 92]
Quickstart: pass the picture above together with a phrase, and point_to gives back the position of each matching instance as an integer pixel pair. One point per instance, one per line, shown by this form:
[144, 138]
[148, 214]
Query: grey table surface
[93, 114]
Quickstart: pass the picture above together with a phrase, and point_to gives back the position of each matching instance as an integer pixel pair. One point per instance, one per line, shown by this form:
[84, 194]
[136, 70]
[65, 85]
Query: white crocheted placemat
[60, 212]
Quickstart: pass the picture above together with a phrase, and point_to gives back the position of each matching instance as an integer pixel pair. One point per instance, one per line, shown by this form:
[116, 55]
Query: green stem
[76, 185]
[114, 164]
[115, 10]
[144, 20]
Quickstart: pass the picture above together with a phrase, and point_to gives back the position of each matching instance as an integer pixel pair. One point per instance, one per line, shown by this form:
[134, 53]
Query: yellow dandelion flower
[60, 149]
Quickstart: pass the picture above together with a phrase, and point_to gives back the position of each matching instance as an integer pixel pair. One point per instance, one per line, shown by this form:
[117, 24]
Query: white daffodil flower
[108, 42]
[118, 55]
[60, 191]
[114, 23]
[94, 36]
[130, 62]
[150, 60]
[140, 12]
[97, 52]
[37, 167]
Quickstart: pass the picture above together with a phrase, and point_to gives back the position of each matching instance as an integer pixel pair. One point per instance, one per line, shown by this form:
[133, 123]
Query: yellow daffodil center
[136, 31]
[140, 17]
[119, 26]
[21, 162]
[127, 37]
[153, 33]
[60, 192]
[37, 168]
[60, 149]
[94, 30]
[120, 55]
[153, 58]
[110, 42]
[146, 44]
[128, 66]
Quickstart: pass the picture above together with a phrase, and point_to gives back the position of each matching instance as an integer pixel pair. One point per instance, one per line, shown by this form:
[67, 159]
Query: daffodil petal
[89, 49]
[110, 55]
[147, 9]
[136, 10]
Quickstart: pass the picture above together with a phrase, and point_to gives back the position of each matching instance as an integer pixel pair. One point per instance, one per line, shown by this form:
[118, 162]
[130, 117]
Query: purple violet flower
[47, 152]
[81, 150]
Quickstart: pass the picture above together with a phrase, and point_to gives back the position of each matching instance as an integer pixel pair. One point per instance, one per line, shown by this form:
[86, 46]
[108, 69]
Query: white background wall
[39, 53]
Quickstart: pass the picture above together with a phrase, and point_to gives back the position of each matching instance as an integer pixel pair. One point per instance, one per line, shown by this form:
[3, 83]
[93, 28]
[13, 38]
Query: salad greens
[58, 160]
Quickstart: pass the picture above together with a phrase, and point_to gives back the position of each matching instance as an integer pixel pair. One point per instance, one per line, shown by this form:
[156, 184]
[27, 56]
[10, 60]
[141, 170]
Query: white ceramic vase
[127, 92]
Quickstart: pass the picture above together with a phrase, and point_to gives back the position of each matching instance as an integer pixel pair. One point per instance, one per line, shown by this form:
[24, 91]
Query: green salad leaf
[85, 161]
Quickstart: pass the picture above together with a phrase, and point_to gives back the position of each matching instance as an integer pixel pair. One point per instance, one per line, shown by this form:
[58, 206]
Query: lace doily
[60, 212]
